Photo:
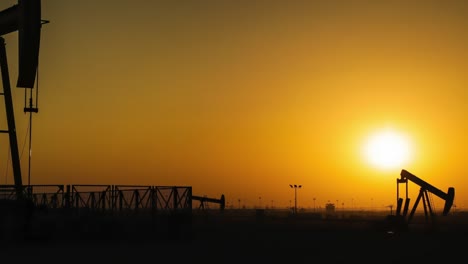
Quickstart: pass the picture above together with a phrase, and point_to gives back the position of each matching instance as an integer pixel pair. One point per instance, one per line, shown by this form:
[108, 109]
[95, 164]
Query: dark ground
[236, 236]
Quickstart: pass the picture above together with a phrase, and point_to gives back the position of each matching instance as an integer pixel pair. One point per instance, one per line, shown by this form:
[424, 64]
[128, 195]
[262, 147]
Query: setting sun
[387, 149]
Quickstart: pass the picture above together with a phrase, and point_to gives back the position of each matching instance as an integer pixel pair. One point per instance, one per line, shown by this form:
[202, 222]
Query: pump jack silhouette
[24, 17]
[402, 219]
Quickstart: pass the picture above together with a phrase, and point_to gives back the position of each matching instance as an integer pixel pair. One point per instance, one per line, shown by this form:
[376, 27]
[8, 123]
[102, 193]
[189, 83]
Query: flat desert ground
[239, 236]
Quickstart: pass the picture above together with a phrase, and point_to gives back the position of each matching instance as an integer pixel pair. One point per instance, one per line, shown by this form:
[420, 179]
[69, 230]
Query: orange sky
[243, 98]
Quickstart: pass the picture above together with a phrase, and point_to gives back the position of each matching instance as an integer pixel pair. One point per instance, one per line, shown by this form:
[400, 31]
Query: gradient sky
[243, 98]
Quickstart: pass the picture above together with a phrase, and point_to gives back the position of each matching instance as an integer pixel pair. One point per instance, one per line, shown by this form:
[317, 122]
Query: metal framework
[106, 198]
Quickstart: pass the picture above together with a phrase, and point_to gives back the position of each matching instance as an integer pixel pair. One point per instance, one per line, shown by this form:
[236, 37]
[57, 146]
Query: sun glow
[387, 149]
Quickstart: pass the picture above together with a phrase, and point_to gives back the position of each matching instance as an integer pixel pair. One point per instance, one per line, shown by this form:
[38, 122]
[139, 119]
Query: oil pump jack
[24, 17]
[425, 190]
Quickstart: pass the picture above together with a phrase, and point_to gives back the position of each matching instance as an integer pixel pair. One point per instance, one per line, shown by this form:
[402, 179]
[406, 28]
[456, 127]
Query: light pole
[295, 187]
[314, 204]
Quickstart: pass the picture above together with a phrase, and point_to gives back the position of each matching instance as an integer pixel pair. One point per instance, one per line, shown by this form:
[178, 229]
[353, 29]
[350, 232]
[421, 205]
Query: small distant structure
[204, 200]
[330, 208]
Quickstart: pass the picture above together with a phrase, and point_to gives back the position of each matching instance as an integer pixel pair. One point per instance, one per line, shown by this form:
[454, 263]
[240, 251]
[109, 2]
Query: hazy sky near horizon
[243, 98]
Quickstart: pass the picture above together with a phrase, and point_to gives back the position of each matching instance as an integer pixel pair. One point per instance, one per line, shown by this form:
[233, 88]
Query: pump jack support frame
[10, 121]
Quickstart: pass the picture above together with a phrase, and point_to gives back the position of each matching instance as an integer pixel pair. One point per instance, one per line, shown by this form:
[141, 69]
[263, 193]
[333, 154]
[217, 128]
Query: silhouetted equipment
[204, 200]
[25, 17]
[426, 188]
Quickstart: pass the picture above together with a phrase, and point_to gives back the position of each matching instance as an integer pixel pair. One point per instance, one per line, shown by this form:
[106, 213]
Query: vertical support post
[154, 197]
[44, 199]
[54, 201]
[120, 200]
[421, 193]
[92, 199]
[425, 204]
[175, 194]
[103, 200]
[68, 197]
[405, 209]
[406, 188]
[113, 198]
[77, 200]
[137, 199]
[295, 200]
[10, 120]
[190, 201]
[222, 202]
[399, 204]
[397, 190]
